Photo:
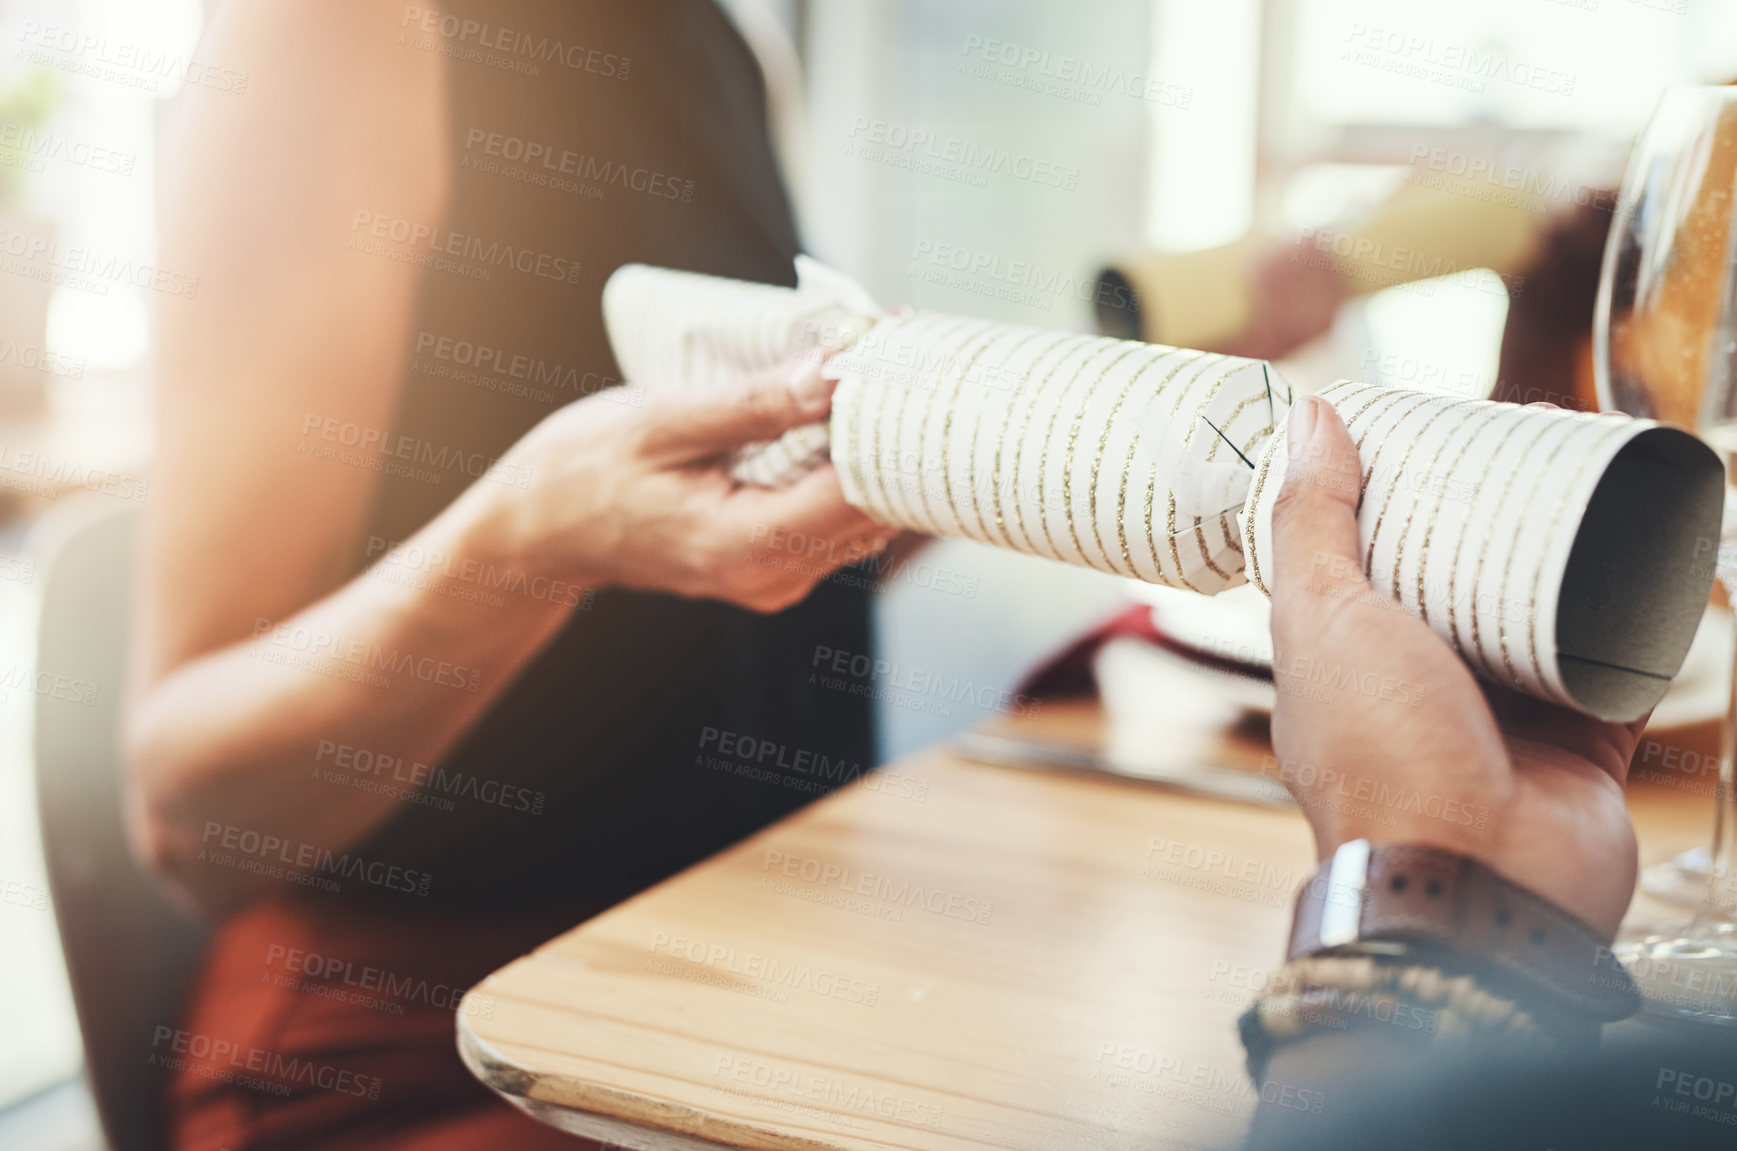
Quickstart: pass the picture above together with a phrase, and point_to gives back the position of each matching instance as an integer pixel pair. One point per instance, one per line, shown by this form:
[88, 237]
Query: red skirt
[332, 1028]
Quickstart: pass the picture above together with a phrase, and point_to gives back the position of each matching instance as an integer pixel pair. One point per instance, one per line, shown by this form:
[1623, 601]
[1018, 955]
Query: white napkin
[683, 330]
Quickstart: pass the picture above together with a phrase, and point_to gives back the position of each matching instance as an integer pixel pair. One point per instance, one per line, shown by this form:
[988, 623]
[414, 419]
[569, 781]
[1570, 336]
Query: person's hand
[641, 497]
[1295, 291]
[1415, 749]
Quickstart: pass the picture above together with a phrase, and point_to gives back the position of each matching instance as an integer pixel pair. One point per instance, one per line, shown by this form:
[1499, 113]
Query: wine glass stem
[1721, 900]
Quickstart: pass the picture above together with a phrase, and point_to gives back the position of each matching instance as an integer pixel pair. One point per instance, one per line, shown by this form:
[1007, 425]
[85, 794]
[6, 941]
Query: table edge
[553, 1100]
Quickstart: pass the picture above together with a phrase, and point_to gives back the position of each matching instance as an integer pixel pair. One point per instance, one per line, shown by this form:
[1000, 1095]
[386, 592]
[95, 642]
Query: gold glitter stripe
[1251, 553]
[971, 459]
[1534, 420]
[1098, 463]
[1169, 523]
[1000, 442]
[990, 333]
[1089, 348]
[1073, 458]
[1152, 485]
[1199, 536]
[1250, 448]
[860, 420]
[911, 486]
[1127, 474]
[1555, 522]
[1570, 426]
[881, 504]
[1398, 476]
[1469, 409]
[1147, 516]
[1519, 526]
[1492, 412]
[1230, 541]
[846, 429]
[1078, 342]
[1401, 414]
[907, 518]
[1339, 393]
[1391, 395]
[1128, 348]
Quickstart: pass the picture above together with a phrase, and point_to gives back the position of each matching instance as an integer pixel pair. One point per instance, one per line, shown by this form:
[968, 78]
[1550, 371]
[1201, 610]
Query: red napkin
[1069, 671]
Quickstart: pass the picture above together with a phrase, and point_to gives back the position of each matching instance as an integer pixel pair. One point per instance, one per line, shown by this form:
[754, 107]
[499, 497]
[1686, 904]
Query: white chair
[129, 952]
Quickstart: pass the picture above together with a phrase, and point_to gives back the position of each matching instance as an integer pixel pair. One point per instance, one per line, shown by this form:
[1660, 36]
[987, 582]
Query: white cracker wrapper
[1111, 454]
[674, 329]
[1568, 555]
[1565, 554]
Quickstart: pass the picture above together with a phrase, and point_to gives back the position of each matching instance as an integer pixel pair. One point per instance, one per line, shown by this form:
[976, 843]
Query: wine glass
[1665, 346]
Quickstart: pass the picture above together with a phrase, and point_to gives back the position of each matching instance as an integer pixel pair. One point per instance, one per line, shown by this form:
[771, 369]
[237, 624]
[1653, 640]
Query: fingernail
[1300, 427]
[811, 390]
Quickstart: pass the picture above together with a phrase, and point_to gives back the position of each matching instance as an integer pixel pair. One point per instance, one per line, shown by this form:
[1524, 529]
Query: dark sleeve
[1648, 1088]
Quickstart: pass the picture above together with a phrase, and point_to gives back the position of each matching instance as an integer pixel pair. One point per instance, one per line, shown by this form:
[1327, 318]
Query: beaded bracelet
[1425, 1004]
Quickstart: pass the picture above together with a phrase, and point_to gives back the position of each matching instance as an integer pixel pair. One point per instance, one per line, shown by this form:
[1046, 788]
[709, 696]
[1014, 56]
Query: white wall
[891, 70]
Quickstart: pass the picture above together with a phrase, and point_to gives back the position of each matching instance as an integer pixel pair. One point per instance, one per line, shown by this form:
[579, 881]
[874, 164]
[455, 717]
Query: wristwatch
[1399, 900]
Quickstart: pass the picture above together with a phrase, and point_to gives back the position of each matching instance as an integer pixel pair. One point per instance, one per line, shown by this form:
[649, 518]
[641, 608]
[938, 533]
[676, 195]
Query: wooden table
[960, 956]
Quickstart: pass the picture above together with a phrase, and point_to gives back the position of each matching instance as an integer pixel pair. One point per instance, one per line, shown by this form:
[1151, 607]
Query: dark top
[586, 135]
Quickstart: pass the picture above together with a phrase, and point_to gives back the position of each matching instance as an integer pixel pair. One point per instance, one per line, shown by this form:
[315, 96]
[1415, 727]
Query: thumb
[711, 421]
[1316, 557]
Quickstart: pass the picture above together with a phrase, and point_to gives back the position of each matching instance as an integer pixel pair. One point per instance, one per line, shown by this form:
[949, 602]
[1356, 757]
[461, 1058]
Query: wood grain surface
[955, 955]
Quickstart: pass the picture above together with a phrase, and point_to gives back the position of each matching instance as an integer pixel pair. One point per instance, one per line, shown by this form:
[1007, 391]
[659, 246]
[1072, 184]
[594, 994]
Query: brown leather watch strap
[1369, 896]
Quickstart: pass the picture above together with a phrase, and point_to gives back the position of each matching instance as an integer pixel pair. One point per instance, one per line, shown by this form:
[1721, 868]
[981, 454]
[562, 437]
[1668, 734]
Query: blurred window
[82, 89]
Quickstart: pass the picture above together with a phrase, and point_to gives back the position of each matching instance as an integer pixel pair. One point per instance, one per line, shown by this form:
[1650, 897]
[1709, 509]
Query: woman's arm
[257, 196]
[252, 649]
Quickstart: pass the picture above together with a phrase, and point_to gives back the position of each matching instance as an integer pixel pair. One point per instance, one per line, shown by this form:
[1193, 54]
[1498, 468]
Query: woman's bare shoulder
[294, 322]
[361, 60]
